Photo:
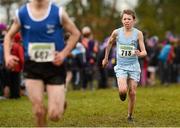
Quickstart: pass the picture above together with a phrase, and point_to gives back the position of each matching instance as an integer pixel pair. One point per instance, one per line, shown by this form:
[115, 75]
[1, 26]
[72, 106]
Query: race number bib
[41, 52]
[126, 50]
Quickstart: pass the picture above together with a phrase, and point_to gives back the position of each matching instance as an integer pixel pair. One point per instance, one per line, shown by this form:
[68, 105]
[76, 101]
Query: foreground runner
[41, 24]
[127, 68]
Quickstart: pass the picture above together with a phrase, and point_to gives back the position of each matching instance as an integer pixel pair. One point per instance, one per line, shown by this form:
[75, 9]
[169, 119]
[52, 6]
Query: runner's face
[127, 21]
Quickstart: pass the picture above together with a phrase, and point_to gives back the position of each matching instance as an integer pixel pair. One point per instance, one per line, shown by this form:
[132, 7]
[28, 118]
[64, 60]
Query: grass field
[156, 106]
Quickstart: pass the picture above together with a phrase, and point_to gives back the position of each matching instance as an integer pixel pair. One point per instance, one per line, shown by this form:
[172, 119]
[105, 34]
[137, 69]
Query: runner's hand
[11, 62]
[137, 52]
[59, 58]
[104, 62]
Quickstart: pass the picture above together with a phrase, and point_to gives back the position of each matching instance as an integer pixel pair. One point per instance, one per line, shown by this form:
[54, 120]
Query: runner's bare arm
[70, 27]
[142, 51]
[10, 60]
[111, 40]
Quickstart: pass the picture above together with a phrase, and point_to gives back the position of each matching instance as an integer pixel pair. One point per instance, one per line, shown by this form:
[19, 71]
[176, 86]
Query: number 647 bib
[126, 50]
[41, 52]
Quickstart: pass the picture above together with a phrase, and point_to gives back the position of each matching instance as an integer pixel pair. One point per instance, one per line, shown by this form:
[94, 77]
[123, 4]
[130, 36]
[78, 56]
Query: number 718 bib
[41, 52]
[126, 50]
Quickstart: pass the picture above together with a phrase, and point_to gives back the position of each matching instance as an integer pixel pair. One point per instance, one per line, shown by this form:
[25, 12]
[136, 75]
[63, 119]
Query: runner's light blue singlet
[132, 40]
[127, 62]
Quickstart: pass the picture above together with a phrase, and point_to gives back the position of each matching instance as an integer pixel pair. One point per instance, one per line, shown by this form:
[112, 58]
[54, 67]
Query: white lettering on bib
[41, 52]
[126, 50]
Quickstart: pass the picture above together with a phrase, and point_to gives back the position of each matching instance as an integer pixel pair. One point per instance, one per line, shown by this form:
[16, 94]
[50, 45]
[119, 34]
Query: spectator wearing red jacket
[15, 74]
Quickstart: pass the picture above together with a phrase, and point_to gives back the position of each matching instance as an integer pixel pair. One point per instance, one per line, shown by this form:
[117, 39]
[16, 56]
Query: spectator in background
[166, 59]
[177, 61]
[3, 31]
[74, 64]
[91, 47]
[4, 90]
[2, 34]
[103, 74]
[15, 74]
[79, 59]
[107, 76]
[153, 52]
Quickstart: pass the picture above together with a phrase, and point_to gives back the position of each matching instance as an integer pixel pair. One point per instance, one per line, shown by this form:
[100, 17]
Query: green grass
[155, 106]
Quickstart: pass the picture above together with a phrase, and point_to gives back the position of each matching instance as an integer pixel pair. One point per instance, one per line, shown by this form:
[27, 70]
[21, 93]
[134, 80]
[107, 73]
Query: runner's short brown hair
[129, 12]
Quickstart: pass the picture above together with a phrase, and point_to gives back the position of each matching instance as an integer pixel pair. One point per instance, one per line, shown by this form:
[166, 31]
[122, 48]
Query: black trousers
[14, 84]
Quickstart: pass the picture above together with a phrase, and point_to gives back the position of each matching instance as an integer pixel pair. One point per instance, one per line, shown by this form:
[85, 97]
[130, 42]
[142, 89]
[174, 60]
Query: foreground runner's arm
[10, 60]
[71, 42]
